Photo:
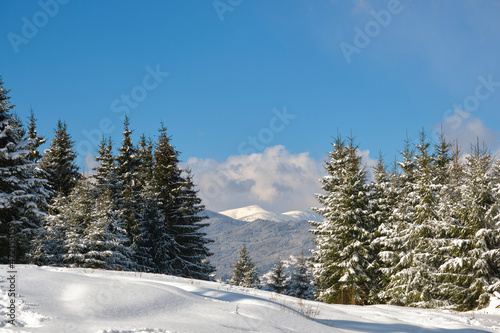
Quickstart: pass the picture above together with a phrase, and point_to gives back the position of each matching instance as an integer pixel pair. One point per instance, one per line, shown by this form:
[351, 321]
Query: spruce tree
[49, 246]
[127, 167]
[344, 256]
[478, 251]
[168, 183]
[58, 162]
[278, 278]
[36, 139]
[301, 283]
[22, 192]
[106, 173]
[245, 274]
[75, 216]
[193, 242]
[105, 241]
[151, 218]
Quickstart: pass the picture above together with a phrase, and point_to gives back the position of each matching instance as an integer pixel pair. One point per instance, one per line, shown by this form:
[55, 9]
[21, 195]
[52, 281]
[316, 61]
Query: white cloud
[466, 128]
[274, 179]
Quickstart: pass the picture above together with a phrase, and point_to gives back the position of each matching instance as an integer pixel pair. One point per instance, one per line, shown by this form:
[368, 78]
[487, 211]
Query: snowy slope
[253, 212]
[303, 215]
[58, 300]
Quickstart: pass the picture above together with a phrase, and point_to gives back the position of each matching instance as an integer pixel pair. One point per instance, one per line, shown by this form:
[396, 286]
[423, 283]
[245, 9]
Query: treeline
[138, 210]
[425, 234]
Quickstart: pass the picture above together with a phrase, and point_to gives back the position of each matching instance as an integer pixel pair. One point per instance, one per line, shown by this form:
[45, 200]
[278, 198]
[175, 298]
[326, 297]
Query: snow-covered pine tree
[168, 183]
[479, 253]
[36, 139]
[48, 245]
[128, 165]
[105, 240]
[344, 256]
[58, 162]
[245, 274]
[193, 242]
[76, 213]
[400, 238]
[382, 200]
[301, 283]
[22, 192]
[426, 235]
[451, 284]
[149, 210]
[278, 278]
[106, 173]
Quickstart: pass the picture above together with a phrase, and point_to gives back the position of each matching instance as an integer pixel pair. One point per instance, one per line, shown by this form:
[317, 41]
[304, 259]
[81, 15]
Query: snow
[253, 212]
[83, 300]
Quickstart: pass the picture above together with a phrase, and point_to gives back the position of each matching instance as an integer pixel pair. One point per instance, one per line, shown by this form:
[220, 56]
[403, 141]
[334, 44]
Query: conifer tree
[193, 242]
[278, 278]
[58, 162]
[49, 246]
[168, 183]
[128, 165]
[344, 256]
[36, 139]
[478, 252]
[77, 215]
[244, 271]
[301, 283]
[107, 172]
[105, 241]
[415, 283]
[22, 192]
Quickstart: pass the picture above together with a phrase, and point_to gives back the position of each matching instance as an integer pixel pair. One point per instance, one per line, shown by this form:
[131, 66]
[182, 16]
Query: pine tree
[151, 218]
[301, 283]
[168, 183]
[36, 139]
[58, 162]
[105, 240]
[344, 256]
[478, 255]
[128, 165]
[193, 242]
[244, 271]
[278, 278]
[77, 217]
[382, 201]
[22, 192]
[48, 245]
[106, 176]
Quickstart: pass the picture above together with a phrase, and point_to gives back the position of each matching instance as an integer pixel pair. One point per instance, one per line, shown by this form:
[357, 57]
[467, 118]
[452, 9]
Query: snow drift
[60, 300]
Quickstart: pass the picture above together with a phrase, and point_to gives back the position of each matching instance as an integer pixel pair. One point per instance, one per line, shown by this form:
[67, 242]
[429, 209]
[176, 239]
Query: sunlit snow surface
[61, 300]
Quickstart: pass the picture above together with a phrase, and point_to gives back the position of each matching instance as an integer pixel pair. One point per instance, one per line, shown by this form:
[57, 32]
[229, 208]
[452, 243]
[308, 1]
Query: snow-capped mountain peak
[254, 212]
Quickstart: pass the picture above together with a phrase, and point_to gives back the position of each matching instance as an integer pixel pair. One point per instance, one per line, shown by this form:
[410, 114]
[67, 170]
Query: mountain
[254, 212]
[303, 215]
[266, 241]
[81, 300]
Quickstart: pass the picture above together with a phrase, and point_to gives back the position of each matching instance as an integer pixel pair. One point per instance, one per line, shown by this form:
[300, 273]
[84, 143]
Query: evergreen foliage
[345, 270]
[58, 162]
[301, 283]
[278, 278]
[244, 271]
[22, 191]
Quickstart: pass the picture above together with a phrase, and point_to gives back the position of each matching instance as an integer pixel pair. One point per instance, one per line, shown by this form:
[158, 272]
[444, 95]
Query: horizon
[253, 92]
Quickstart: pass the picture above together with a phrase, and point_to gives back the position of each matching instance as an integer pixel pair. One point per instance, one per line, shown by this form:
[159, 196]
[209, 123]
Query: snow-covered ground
[59, 300]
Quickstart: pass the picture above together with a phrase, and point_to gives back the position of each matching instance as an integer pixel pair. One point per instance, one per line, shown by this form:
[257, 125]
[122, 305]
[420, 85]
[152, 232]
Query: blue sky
[253, 91]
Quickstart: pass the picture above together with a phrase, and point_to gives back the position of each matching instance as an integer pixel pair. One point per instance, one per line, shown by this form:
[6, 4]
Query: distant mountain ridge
[253, 212]
[268, 237]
